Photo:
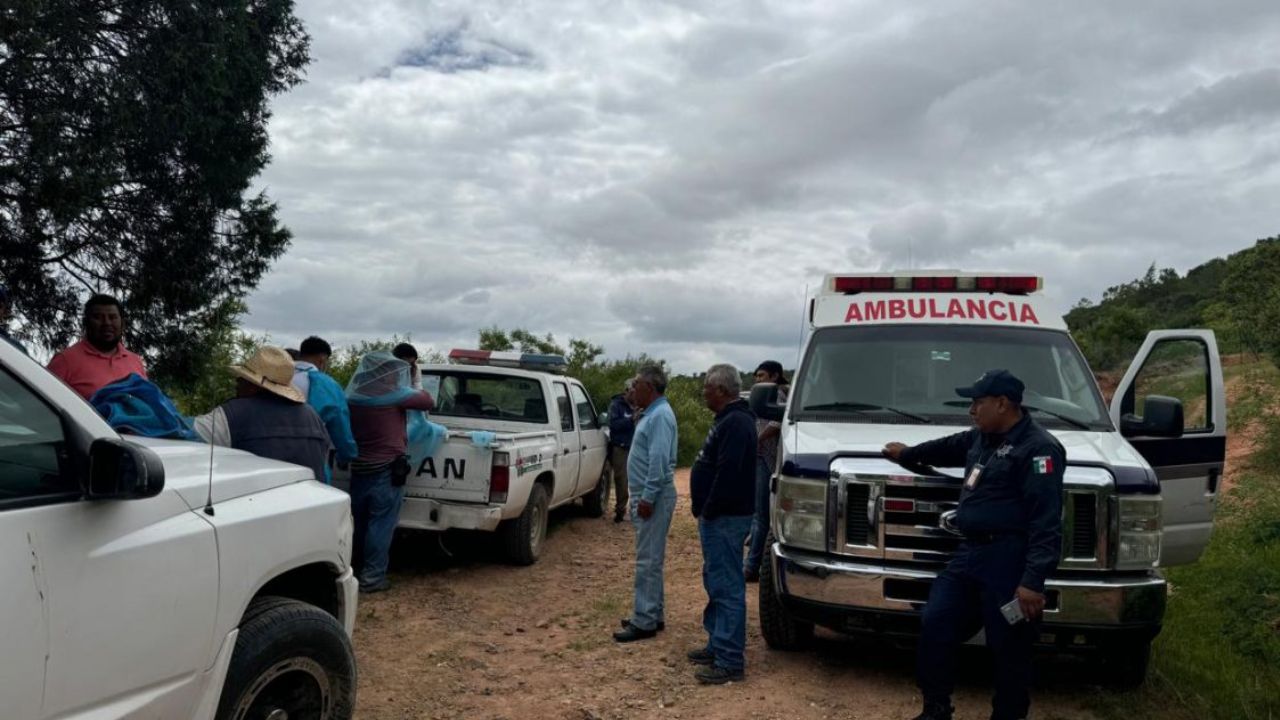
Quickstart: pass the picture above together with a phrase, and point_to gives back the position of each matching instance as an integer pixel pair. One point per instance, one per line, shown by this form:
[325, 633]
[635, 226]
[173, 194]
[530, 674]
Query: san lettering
[454, 468]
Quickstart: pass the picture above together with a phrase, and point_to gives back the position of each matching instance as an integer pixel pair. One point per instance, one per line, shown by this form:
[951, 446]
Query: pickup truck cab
[162, 579]
[522, 440]
[858, 539]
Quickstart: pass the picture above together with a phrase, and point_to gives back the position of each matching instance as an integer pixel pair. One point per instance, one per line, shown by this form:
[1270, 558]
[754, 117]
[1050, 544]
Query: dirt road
[468, 637]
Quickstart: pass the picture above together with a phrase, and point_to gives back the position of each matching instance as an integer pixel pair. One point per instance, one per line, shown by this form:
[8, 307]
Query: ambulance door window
[1177, 369]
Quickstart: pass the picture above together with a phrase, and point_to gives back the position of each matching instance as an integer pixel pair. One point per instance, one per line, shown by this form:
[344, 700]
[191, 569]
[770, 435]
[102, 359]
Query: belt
[986, 538]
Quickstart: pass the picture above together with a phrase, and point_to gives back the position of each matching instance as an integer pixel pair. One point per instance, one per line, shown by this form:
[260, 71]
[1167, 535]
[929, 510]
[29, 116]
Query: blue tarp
[136, 406]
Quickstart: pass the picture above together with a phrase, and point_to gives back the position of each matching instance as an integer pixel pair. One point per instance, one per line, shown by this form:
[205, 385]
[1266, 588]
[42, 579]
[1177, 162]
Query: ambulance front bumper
[428, 514]
[831, 592]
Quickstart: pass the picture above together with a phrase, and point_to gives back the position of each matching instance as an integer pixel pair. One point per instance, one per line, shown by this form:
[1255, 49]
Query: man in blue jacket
[722, 485]
[1010, 514]
[621, 427]
[326, 397]
[651, 472]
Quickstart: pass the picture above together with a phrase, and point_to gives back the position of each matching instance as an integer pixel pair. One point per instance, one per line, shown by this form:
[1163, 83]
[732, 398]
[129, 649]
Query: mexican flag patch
[1043, 464]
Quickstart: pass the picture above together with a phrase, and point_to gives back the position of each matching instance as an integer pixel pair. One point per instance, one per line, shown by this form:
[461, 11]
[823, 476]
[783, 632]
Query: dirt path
[468, 637]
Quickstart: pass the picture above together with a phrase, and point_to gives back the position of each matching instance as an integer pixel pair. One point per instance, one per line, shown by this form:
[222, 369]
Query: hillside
[1235, 296]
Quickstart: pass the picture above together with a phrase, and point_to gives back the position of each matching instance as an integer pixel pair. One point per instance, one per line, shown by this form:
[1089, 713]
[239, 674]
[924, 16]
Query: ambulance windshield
[908, 374]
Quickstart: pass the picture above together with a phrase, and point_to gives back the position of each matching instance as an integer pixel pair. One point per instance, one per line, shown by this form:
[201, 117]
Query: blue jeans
[651, 554]
[375, 507]
[725, 617]
[760, 522]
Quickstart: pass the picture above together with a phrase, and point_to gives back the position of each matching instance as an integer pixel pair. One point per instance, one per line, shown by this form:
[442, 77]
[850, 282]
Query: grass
[1219, 653]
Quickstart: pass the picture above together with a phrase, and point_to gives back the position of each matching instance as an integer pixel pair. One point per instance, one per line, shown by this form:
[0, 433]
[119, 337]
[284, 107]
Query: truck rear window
[908, 374]
[498, 397]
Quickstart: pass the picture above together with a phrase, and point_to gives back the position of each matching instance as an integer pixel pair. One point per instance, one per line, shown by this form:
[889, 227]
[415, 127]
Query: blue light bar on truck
[523, 361]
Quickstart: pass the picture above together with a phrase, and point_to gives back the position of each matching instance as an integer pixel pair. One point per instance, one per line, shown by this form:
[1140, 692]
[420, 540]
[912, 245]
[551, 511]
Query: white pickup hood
[235, 472]
[825, 438]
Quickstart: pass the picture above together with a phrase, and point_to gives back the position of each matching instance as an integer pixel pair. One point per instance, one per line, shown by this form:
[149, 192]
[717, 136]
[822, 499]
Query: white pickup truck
[523, 439]
[152, 579]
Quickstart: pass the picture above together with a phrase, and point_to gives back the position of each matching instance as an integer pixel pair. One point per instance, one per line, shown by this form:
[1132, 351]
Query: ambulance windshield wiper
[863, 407]
[1068, 420]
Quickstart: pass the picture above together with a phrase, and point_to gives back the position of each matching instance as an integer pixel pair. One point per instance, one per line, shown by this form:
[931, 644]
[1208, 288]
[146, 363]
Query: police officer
[1010, 514]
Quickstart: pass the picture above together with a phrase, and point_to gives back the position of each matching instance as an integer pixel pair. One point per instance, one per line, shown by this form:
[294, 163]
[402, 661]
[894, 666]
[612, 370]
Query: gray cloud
[668, 177]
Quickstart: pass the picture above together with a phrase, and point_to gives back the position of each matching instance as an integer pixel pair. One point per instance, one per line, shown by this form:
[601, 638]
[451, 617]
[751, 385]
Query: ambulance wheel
[781, 631]
[523, 537]
[597, 500]
[1125, 664]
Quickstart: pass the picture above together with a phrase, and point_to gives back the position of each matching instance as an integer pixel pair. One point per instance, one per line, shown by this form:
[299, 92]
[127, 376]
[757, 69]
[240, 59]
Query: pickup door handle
[584, 448]
[566, 451]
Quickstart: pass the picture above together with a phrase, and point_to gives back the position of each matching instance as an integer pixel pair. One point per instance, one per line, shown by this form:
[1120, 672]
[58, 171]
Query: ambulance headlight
[1138, 533]
[802, 513]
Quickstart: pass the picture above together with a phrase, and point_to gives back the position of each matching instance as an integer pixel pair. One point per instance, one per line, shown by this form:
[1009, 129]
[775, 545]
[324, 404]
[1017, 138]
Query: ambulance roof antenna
[804, 309]
[213, 424]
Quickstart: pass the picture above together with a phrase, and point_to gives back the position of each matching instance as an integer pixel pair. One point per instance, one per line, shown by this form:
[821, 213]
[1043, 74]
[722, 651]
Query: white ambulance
[857, 538]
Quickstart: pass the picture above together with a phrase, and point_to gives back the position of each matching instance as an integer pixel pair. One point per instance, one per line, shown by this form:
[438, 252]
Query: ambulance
[857, 539]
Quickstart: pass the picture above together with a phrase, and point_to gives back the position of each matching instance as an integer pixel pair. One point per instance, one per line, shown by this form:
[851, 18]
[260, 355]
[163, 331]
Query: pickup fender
[264, 535]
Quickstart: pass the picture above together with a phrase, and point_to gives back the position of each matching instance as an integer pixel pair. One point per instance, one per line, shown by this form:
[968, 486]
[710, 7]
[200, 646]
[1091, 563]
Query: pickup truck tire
[291, 657]
[781, 631]
[597, 500]
[1125, 664]
[522, 537]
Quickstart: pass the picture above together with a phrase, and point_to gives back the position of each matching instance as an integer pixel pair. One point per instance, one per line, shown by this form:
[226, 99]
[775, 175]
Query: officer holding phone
[1010, 514]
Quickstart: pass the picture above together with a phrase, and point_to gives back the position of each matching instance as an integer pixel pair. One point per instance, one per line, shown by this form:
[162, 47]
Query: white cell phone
[1012, 612]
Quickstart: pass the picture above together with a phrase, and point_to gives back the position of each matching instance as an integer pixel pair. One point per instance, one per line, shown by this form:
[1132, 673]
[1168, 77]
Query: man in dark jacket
[722, 484]
[622, 427]
[1010, 514]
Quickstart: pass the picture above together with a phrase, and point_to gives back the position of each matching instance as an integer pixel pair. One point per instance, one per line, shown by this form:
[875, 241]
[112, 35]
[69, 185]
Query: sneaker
[716, 675]
[381, 586]
[701, 656]
[626, 623]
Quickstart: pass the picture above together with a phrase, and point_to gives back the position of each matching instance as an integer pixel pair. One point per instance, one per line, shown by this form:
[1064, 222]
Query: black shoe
[701, 656]
[626, 623]
[715, 675]
[751, 576]
[618, 517]
[936, 711]
[380, 586]
[632, 633]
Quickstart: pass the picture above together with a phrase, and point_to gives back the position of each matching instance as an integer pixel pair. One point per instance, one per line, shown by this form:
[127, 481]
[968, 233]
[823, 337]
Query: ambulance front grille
[916, 535]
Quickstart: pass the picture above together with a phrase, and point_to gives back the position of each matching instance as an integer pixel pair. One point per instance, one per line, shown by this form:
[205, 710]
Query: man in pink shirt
[100, 358]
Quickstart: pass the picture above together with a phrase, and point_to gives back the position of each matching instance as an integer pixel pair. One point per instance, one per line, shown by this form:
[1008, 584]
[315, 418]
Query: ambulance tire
[524, 536]
[781, 631]
[595, 501]
[1125, 664]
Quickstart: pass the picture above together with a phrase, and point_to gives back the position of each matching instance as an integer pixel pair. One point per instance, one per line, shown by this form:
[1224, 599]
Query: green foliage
[1236, 296]
[692, 416]
[130, 135]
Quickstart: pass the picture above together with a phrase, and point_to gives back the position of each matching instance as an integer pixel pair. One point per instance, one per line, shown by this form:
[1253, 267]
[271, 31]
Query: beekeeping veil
[381, 379]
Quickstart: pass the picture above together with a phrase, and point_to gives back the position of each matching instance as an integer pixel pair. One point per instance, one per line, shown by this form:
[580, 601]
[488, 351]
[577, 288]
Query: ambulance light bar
[523, 361]
[1008, 284]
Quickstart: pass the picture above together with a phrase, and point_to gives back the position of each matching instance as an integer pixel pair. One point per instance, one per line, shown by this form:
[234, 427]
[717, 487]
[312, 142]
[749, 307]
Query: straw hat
[271, 369]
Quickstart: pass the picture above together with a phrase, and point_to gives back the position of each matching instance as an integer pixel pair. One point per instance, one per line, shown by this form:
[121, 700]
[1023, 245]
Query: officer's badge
[1004, 450]
[1042, 464]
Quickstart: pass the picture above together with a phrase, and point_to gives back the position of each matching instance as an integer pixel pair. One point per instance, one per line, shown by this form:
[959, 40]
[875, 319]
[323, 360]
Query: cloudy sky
[668, 177]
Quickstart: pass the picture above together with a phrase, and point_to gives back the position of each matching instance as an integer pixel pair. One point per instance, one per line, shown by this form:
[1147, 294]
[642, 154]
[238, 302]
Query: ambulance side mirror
[1161, 417]
[764, 402]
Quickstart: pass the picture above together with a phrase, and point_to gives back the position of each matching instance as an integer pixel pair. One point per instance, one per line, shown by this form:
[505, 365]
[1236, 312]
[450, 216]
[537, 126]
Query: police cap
[994, 383]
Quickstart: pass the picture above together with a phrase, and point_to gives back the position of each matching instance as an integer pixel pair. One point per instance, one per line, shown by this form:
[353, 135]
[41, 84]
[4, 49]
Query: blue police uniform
[1010, 513]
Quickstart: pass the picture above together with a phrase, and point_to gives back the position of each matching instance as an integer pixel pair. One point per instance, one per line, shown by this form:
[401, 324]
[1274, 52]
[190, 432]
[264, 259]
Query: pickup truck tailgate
[458, 472]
